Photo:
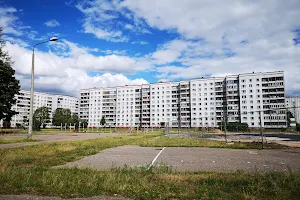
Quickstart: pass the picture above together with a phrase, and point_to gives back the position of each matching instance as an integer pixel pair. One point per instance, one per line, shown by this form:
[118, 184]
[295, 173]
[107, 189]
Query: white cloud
[104, 20]
[101, 33]
[98, 17]
[210, 19]
[140, 42]
[211, 34]
[169, 52]
[70, 72]
[8, 21]
[129, 26]
[15, 41]
[116, 52]
[52, 23]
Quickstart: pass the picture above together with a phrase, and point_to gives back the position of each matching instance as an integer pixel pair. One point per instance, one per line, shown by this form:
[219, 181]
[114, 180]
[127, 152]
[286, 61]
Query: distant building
[203, 102]
[293, 105]
[51, 101]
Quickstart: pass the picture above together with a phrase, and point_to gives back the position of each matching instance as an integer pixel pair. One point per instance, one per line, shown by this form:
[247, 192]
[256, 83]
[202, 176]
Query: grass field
[165, 141]
[28, 170]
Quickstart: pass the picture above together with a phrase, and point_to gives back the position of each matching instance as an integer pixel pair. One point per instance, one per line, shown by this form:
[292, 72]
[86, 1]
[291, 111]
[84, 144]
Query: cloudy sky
[117, 42]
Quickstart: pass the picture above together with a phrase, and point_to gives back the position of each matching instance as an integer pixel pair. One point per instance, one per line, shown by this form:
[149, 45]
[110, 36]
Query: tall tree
[9, 85]
[61, 116]
[42, 115]
[102, 121]
[75, 120]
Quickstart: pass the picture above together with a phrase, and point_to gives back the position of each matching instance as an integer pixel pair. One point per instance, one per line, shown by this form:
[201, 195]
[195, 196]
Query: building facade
[293, 105]
[203, 102]
[41, 99]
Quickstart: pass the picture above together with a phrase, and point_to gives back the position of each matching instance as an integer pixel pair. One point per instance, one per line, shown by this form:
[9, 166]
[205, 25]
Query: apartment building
[263, 91]
[207, 102]
[96, 103]
[128, 106]
[41, 99]
[202, 102]
[161, 104]
[293, 105]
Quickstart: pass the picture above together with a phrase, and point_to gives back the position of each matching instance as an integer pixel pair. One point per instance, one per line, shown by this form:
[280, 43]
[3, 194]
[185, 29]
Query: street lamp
[32, 87]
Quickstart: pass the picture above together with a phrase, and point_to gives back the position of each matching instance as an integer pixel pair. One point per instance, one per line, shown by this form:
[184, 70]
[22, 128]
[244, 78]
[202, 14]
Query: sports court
[193, 159]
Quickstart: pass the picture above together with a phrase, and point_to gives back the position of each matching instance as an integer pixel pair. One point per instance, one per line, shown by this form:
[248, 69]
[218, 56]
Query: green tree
[289, 116]
[36, 126]
[9, 85]
[297, 127]
[42, 116]
[61, 116]
[84, 123]
[75, 120]
[102, 121]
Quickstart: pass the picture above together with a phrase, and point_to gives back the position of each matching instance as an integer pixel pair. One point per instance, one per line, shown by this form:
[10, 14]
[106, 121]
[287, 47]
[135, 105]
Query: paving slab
[123, 156]
[230, 160]
[194, 159]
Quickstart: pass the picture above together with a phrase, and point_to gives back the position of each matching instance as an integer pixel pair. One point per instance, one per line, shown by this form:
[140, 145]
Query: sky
[106, 43]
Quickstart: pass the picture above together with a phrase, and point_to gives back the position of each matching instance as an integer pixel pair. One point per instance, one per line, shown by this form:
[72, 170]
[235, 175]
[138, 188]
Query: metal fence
[264, 137]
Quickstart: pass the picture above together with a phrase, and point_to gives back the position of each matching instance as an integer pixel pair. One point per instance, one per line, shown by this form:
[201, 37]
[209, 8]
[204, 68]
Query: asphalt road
[194, 159]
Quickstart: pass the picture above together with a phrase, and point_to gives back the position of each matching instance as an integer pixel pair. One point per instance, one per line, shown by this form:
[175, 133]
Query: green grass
[15, 140]
[140, 183]
[29, 170]
[165, 141]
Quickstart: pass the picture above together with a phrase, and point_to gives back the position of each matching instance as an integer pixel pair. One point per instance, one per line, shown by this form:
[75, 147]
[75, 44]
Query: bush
[6, 124]
[298, 127]
[36, 125]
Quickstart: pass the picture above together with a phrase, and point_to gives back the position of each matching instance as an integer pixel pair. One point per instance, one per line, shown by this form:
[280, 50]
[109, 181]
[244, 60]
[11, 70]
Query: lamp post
[32, 87]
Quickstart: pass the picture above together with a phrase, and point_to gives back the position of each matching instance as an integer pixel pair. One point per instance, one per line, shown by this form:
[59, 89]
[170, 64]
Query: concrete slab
[130, 156]
[230, 160]
[194, 159]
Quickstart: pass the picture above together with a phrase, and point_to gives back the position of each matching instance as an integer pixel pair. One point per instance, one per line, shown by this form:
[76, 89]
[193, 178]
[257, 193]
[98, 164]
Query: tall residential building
[128, 106]
[207, 102]
[51, 101]
[161, 104]
[96, 103]
[293, 105]
[202, 102]
[263, 91]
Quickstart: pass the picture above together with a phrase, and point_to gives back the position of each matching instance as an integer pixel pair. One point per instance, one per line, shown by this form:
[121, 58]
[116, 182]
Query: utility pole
[261, 133]
[225, 132]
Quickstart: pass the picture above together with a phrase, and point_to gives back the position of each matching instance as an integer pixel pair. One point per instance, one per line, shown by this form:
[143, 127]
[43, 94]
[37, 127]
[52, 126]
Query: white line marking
[153, 161]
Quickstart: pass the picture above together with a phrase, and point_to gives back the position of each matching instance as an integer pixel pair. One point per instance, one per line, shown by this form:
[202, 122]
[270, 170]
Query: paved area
[32, 197]
[56, 138]
[286, 139]
[129, 156]
[194, 159]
